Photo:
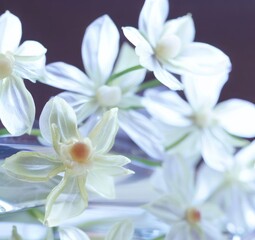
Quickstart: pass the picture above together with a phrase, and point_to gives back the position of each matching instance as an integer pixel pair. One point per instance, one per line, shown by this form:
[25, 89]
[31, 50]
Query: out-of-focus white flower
[83, 162]
[199, 126]
[165, 47]
[233, 188]
[178, 208]
[17, 108]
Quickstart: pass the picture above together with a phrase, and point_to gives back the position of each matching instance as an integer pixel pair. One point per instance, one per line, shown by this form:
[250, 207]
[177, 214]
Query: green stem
[149, 84]
[34, 132]
[118, 74]
[145, 161]
[177, 142]
[37, 214]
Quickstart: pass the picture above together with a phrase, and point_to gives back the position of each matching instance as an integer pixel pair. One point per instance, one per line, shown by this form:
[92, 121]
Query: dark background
[60, 24]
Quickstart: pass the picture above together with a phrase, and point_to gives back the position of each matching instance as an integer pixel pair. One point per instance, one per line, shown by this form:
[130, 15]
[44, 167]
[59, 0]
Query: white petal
[123, 230]
[100, 48]
[246, 155]
[10, 32]
[183, 27]
[152, 18]
[237, 117]
[30, 50]
[196, 89]
[103, 134]
[17, 109]
[101, 184]
[56, 111]
[142, 132]
[200, 58]
[34, 167]
[130, 101]
[71, 233]
[68, 199]
[179, 231]
[68, 77]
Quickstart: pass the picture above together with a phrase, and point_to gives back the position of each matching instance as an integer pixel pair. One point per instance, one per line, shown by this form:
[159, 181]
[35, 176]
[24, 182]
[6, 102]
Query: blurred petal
[68, 199]
[10, 32]
[100, 48]
[30, 50]
[57, 111]
[17, 109]
[246, 156]
[237, 117]
[152, 18]
[68, 77]
[103, 134]
[30, 166]
[123, 230]
[71, 233]
[130, 101]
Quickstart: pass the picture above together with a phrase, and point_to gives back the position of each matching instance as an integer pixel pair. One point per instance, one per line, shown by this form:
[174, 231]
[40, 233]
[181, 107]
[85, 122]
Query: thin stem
[118, 74]
[149, 84]
[34, 132]
[177, 142]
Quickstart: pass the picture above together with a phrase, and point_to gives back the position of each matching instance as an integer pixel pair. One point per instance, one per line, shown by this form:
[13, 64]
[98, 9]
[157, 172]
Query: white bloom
[17, 109]
[233, 188]
[168, 46]
[178, 208]
[199, 126]
[84, 163]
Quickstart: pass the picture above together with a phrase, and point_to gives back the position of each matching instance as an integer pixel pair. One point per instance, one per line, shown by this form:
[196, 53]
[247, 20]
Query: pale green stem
[34, 132]
[177, 142]
[118, 74]
[149, 84]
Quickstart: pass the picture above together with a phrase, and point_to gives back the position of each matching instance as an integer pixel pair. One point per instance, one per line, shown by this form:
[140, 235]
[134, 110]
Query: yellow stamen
[80, 152]
[193, 216]
[5, 66]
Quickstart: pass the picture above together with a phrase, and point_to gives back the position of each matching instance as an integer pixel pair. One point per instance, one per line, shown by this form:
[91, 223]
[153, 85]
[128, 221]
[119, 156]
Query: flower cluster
[203, 182]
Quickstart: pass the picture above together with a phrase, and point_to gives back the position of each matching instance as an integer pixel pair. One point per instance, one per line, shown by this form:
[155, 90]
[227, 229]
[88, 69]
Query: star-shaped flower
[168, 46]
[17, 108]
[199, 126]
[84, 163]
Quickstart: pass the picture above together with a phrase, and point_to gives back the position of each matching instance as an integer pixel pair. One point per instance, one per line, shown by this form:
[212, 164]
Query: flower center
[168, 47]
[6, 64]
[80, 152]
[202, 119]
[192, 215]
[109, 96]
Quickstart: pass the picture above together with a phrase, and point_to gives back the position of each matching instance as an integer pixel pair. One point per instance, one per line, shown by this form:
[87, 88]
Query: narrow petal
[200, 58]
[101, 184]
[68, 77]
[34, 167]
[103, 134]
[196, 89]
[100, 48]
[68, 199]
[71, 233]
[237, 117]
[10, 32]
[152, 18]
[123, 230]
[58, 112]
[183, 27]
[17, 109]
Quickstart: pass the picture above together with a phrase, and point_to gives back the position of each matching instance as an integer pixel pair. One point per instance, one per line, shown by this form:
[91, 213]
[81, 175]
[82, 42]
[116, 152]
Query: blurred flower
[165, 47]
[199, 126]
[17, 108]
[233, 188]
[178, 208]
[84, 162]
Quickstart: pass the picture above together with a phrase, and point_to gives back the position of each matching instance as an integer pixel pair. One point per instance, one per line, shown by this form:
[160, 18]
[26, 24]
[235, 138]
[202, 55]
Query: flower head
[168, 46]
[17, 109]
[84, 163]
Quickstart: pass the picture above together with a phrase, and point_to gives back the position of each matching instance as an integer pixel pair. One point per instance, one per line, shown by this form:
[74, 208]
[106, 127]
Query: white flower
[178, 208]
[199, 126]
[233, 188]
[84, 163]
[93, 94]
[17, 108]
[168, 46]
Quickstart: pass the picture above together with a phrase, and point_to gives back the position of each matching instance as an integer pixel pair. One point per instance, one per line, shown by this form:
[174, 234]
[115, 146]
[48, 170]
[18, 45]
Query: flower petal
[123, 230]
[59, 113]
[200, 58]
[10, 32]
[237, 117]
[68, 77]
[103, 134]
[245, 157]
[130, 101]
[71, 233]
[31, 166]
[100, 48]
[68, 199]
[30, 50]
[17, 109]
[152, 18]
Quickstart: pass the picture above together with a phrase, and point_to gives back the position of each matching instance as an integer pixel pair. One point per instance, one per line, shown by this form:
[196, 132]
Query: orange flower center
[193, 216]
[80, 152]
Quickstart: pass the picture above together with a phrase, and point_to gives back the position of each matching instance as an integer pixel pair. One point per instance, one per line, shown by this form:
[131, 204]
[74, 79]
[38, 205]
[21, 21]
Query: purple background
[60, 24]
